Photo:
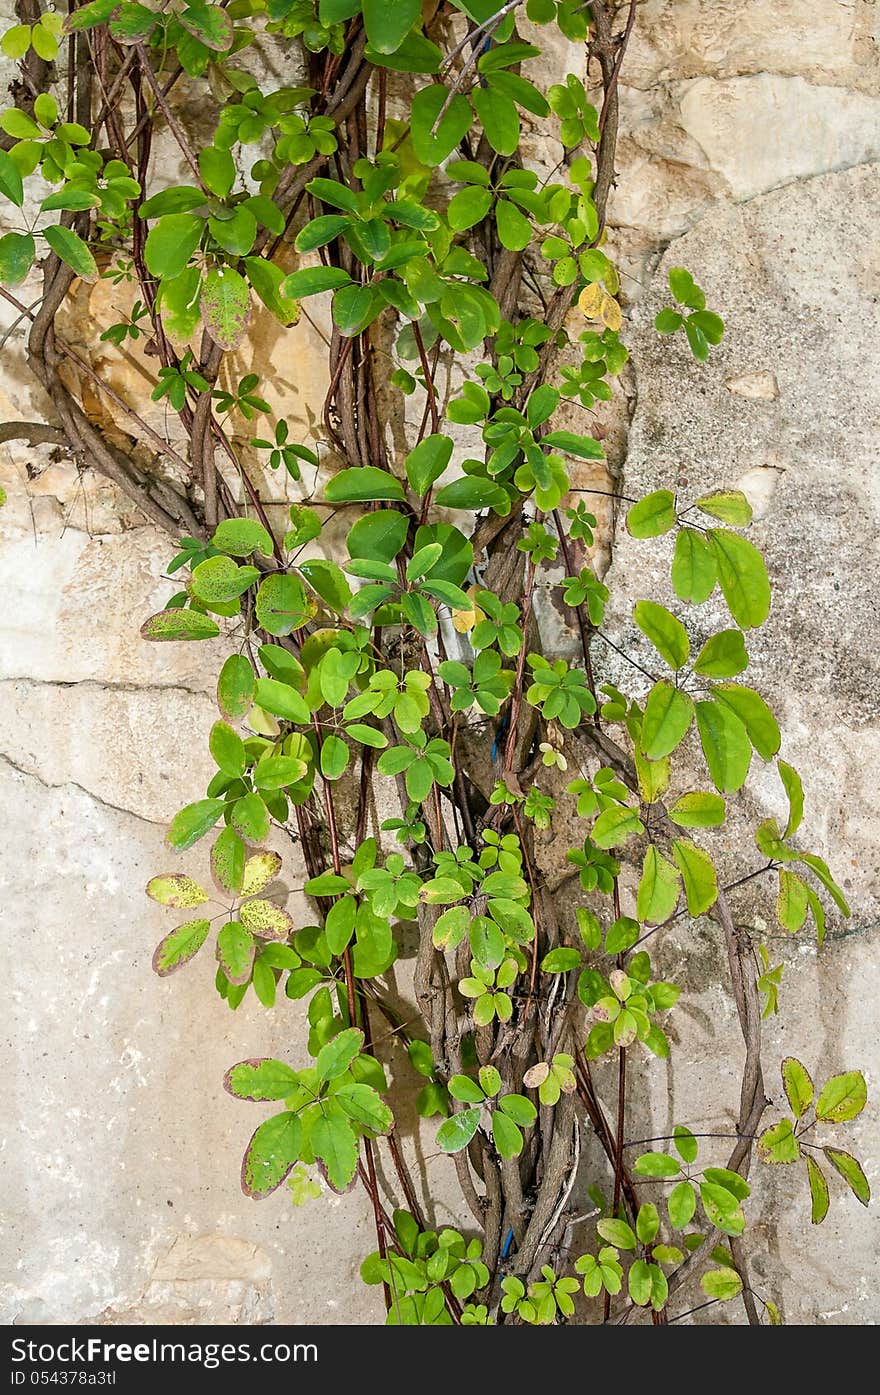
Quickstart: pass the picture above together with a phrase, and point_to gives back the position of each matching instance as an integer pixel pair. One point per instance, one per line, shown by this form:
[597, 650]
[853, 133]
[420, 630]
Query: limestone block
[723, 38]
[121, 1148]
[765, 130]
[806, 456]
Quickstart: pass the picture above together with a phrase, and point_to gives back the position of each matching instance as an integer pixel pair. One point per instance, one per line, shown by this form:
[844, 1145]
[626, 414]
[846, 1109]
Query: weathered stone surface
[121, 1148]
[790, 274]
[758, 132]
[721, 38]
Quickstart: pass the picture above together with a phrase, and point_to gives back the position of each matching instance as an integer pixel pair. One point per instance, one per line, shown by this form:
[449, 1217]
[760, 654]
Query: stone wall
[748, 135]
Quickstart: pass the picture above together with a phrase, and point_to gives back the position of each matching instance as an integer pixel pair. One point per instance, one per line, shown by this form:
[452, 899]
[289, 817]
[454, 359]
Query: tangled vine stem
[407, 735]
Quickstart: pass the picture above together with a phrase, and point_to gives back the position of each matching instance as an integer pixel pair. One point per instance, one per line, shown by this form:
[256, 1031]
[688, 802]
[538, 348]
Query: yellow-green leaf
[175, 889]
[698, 874]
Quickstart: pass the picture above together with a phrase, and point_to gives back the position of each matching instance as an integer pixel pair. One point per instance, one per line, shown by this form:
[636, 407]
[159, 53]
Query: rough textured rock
[791, 271]
[121, 1149]
[815, 129]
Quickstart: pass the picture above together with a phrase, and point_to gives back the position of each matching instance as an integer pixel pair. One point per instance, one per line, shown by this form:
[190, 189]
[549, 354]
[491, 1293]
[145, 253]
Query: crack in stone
[108, 687]
[74, 785]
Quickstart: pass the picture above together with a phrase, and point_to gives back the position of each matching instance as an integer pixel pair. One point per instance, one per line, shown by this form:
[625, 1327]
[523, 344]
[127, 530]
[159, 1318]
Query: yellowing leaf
[259, 871]
[176, 890]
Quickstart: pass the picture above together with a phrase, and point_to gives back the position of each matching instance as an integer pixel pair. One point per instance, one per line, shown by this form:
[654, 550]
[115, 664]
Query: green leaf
[11, 186]
[617, 1233]
[842, 1097]
[171, 242]
[71, 249]
[227, 860]
[354, 307]
[250, 818]
[615, 825]
[698, 810]
[239, 537]
[647, 1222]
[320, 231]
[686, 1144]
[328, 580]
[798, 1086]
[722, 1284]
[742, 577]
[473, 492]
[795, 791]
[270, 1155]
[17, 252]
[506, 1134]
[698, 875]
[180, 946]
[559, 961]
[851, 1172]
[16, 41]
[668, 714]
[778, 1145]
[235, 952]
[667, 634]
[694, 569]
[281, 604]
[312, 280]
[432, 147]
[217, 169]
[518, 1108]
[668, 321]
[179, 624]
[622, 935]
[388, 22]
[725, 745]
[466, 1090]
[335, 1058]
[224, 304]
[363, 484]
[468, 206]
[658, 888]
[584, 447]
[652, 516]
[220, 579]
[260, 1079]
[753, 712]
[276, 772]
[334, 757]
[209, 24]
[457, 1131]
[266, 279]
[791, 902]
[365, 1106]
[722, 656]
[379, 535]
[427, 462]
[820, 867]
[18, 124]
[227, 748]
[656, 1165]
[685, 289]
[193, 822]
[682, 1204]
[335, 1142]
[818, 1191]
[499, 118]
[235, 687]
[514, 228]
[729, 505]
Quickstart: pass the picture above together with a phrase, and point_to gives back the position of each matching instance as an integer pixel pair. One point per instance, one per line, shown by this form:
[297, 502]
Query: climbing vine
[411, 712]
